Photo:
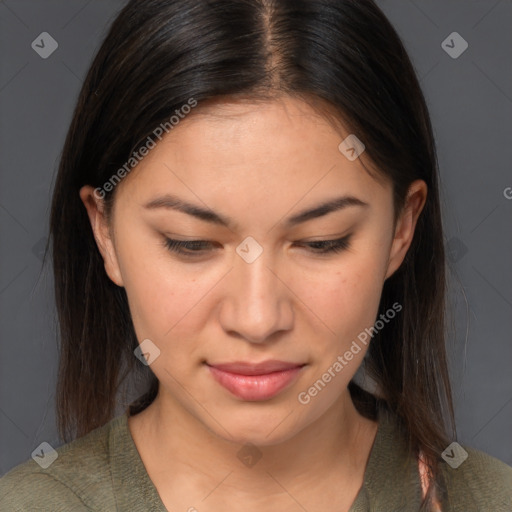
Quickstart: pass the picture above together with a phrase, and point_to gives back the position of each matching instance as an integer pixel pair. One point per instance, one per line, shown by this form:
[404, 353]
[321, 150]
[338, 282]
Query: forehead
[260, 151]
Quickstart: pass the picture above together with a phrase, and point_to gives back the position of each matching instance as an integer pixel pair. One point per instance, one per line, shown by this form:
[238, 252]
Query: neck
[175, 446]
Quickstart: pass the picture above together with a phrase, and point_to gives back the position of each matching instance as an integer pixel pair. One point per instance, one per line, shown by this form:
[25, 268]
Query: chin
[257, 428]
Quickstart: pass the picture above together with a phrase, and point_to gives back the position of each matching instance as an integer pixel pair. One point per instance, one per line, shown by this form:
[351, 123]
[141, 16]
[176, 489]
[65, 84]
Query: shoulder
[24, 488]
[478, 481]
[77, 479]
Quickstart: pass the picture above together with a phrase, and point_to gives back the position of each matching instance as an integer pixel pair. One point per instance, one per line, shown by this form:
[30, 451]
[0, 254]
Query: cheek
[162, 298]
[345, 295]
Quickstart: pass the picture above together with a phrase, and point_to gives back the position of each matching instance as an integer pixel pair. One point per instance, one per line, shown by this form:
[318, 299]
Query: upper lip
[246, 368]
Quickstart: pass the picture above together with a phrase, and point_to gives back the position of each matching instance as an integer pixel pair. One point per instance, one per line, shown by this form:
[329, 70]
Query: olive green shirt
[103, 471]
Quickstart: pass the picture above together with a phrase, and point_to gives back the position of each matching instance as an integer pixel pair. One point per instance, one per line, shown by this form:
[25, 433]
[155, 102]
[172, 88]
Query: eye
[194, 248]
[328, 246]
[187, 248]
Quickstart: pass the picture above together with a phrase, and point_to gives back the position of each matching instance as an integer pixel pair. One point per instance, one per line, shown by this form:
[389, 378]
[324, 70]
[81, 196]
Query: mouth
[255, 382]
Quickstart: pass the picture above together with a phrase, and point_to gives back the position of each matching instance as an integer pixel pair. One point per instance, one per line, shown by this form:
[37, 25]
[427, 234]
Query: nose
[258, 302]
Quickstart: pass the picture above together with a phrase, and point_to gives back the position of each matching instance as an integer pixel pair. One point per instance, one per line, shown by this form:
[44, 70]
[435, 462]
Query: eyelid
[185, 247]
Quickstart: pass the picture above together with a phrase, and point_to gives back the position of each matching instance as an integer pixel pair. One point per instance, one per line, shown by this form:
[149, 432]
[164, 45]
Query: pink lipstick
[255, 382]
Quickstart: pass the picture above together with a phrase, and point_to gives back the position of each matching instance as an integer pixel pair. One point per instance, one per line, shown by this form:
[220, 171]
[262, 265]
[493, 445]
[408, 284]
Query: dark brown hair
[160, 53]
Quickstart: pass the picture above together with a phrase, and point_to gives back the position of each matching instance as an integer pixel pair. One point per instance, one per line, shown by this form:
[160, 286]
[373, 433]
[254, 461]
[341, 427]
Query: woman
[246, 214]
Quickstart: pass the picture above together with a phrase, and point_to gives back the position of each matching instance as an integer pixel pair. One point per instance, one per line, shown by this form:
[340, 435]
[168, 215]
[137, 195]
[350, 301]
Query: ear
[101, 231]
[406, 224]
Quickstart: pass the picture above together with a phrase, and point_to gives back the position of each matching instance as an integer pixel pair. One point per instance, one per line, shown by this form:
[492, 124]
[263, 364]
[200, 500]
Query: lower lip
[255, 387]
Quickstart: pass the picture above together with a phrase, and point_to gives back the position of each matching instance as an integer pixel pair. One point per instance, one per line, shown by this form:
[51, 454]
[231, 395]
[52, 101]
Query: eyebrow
[175, 203]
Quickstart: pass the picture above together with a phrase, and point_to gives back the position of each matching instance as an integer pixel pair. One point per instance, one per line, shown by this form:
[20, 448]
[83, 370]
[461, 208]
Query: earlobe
[100, 228]
[406, 225]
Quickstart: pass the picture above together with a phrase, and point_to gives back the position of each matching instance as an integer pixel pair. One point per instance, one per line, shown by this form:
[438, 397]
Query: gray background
[470, 100]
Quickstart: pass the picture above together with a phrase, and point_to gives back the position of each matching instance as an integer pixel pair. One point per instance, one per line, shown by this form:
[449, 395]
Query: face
[253, 279]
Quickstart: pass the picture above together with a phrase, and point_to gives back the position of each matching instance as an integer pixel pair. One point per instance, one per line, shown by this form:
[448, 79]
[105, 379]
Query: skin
[257, 164]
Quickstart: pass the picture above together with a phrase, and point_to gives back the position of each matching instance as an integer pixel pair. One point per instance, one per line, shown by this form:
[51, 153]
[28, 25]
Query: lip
[255, 381]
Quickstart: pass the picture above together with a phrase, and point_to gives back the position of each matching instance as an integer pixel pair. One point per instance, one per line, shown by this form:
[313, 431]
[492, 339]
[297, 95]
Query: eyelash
[186, 248]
